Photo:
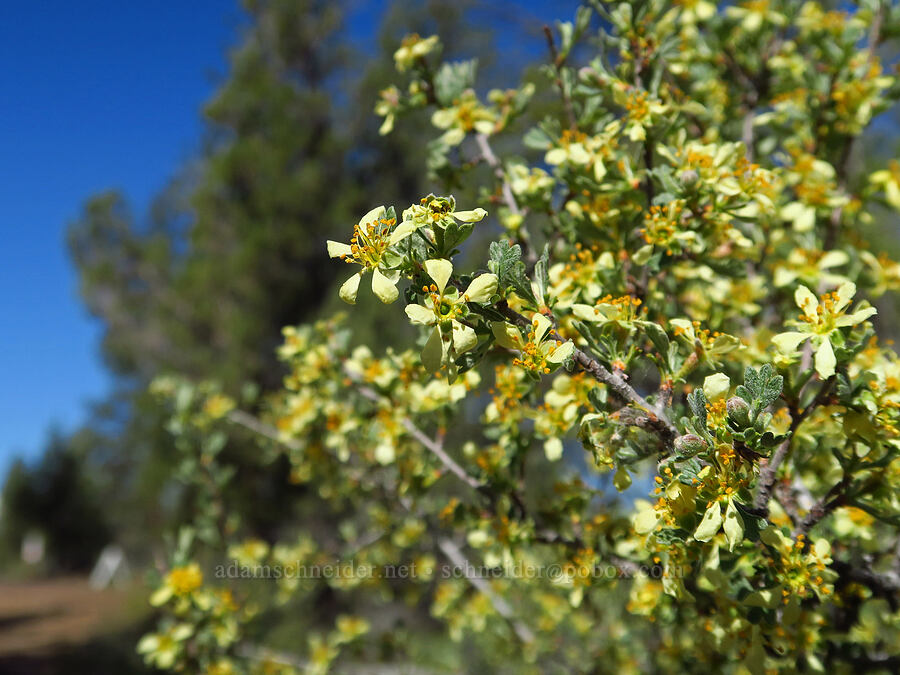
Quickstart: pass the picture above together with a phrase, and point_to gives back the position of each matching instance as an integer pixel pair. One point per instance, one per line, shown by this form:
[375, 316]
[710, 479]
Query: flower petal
[555, 156]
[506, 335]
[806, 301]
[709, 526]
[433, 352]
[855, 318]
[336, 249]
[481, 289]
[349, 289]
[561, 353]
[485, 127]
[825, 361]
[439, 270]
[833, 259]
[716, 386]
[645, 520]
[541, 326]
[402, 231]
[845, 293]
[375, 214]
[420, 315]
[470, 216]
[587, 313]
[734, 525]
[385, 454]
[443, 119]
[464, 338]
[553, 448]
[161, 596]
[787, 342]
[384, 288]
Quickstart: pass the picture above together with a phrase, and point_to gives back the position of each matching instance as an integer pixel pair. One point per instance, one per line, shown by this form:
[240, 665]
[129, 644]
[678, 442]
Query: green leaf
[622, 479]
[506, 263]
[504, 256]
[537, 139]
[657, 336]
[452, 79]
[697, 400]
[597, 397]
[453, 235]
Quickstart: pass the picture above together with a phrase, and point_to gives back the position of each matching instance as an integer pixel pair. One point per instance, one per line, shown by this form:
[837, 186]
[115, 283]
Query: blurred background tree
[231, 250]
[58, 501]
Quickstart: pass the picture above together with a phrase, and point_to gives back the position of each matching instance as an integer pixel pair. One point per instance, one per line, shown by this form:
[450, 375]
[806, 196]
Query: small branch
[747, 133]
[509, 198]
[489, 157]
[823, 507]
[769, 472]
[434, 447]
[648, 166]
[875, 32]
[448, 547]
[596, 369]
[885, 584]
[438, 451]
[767, 477]
[456, 556]
[557, 65]
[259, 427]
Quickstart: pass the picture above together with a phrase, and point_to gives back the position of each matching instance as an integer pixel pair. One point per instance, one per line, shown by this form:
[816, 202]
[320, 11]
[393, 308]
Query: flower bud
[689, 444]
[688, 177]
[738, 411]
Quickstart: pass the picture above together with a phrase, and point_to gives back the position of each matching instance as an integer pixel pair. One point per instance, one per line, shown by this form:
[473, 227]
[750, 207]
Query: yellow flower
[414, 48]
[443, 309]
[753, 14]
[386, 107]
[539, 352]
[889, 181]
[180, 582]
[465, 115]
[819, 321]
[162, 649]
[369, 248]
[432, 211]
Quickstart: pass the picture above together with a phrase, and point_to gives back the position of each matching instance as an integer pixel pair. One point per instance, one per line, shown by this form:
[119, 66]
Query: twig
[767, 477]
[823, 507]
[768, 473]
[509, 198]
[884, 584]
[557, 65]
[747, 133]
[257, 426]
[596, 369]
[456, 556]
[434, 447]
[489, 157]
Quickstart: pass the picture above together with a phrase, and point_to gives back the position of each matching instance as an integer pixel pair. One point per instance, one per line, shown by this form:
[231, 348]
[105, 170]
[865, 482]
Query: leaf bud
[689, 444]
[738, 411]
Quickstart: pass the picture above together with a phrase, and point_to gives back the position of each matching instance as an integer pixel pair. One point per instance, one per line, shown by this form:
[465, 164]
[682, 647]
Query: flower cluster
[658, 229]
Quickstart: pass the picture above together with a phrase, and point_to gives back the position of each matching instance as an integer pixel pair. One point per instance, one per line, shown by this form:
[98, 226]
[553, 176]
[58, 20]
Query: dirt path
[42, 616]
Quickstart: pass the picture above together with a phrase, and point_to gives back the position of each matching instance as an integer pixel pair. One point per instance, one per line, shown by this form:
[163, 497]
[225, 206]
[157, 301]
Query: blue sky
[97, 95]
